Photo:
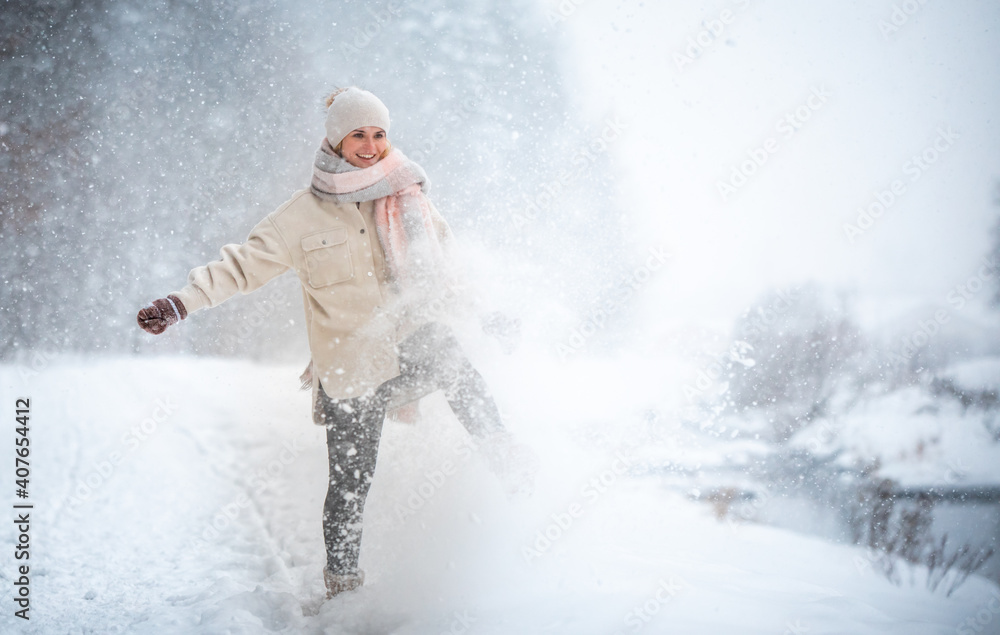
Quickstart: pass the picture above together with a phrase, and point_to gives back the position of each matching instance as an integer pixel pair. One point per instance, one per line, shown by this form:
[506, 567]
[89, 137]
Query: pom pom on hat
[352, 109]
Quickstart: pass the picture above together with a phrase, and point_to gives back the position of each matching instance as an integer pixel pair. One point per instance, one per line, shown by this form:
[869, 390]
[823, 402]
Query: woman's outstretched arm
[240, 269]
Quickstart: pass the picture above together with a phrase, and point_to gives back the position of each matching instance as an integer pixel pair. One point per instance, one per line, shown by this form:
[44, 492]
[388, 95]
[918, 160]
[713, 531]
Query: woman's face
[364, 147]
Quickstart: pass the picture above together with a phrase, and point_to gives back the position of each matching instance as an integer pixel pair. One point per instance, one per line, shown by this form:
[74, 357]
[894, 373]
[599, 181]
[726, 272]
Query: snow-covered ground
[183, 495]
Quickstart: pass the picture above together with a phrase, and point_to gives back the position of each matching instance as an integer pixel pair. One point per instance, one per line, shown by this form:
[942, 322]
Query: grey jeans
[430, 359]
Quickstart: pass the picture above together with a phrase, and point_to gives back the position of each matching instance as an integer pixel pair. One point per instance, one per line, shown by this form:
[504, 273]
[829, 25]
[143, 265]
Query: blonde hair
[339, 147]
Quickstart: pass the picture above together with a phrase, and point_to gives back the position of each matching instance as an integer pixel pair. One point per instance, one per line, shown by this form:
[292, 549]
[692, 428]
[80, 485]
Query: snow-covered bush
[897, 530]
[986, 401]
[803, 346]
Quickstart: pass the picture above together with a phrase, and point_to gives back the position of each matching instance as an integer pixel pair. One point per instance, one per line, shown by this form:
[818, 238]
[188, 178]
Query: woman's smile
[364, 147]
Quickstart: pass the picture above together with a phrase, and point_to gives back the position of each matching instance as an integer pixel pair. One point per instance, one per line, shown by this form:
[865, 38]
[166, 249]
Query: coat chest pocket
[328, 257]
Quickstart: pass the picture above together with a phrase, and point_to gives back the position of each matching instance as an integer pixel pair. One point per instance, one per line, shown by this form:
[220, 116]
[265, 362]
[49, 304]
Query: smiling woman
[358, 147]
[364, 147]
[371, 253]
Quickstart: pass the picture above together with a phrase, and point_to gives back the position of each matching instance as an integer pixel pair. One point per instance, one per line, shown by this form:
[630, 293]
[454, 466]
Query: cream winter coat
[350, 311]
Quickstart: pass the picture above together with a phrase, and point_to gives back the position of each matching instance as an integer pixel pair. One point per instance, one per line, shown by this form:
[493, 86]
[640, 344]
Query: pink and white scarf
[402, 211]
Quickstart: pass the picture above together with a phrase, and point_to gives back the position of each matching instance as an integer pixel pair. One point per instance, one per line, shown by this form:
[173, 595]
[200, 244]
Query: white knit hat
[352, 109]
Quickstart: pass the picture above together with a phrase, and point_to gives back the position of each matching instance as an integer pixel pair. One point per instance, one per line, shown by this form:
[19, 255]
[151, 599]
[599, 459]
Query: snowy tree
[49, 52]
[802, 347]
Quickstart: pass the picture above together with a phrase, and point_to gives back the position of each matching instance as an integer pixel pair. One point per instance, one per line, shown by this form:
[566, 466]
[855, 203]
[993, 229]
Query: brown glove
[156, 317]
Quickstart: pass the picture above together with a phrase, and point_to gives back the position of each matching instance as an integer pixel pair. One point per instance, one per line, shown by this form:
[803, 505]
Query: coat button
[324, 242]
[362, 230]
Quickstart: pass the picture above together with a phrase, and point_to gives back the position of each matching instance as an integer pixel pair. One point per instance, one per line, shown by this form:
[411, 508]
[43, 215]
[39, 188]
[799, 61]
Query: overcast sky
[868, 84]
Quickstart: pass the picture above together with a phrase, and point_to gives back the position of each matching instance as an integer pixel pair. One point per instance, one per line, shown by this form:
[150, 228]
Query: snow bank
[183, 495]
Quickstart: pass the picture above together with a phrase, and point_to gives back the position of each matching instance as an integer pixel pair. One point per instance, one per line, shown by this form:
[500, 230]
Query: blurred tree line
[121, 123]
